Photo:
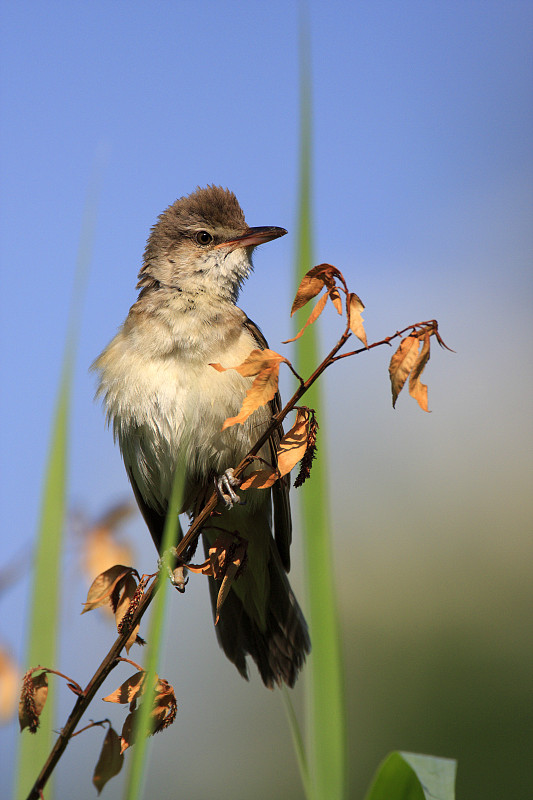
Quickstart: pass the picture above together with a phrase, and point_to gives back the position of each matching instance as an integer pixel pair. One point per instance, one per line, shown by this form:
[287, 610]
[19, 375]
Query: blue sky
[421, 194]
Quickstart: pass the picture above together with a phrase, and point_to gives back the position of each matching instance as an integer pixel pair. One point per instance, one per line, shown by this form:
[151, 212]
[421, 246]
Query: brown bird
[167, 406]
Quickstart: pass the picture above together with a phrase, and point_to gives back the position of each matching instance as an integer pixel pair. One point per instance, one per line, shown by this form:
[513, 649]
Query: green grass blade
[44, 609]
[297, 741]
[139, 752]
[45, 603]
[325, 686]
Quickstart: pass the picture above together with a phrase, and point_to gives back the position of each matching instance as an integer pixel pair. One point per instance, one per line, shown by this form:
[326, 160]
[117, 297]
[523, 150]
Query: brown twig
[108, 664]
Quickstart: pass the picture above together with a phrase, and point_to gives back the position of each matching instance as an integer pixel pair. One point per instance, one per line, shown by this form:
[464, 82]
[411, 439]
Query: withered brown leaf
[110, 760]
[293, 445]
[103, 586]
[312, 284]
[356, 320]
[227, 557]
[162, 714]
[417, 389]
[264, 364]
[32, 699]
[315, 313]
[128, 691]
[261, 479]
[401, 364]
[335, 298]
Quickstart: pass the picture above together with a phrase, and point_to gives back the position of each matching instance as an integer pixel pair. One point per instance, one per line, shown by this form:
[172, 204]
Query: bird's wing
[280, 490]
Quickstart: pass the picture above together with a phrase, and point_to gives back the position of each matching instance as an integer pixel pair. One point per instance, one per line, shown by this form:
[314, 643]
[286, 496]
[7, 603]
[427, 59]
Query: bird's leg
[176, 574]
[226, 485]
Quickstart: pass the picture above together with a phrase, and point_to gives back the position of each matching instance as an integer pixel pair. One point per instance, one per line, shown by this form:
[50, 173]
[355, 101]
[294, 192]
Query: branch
[106, 667]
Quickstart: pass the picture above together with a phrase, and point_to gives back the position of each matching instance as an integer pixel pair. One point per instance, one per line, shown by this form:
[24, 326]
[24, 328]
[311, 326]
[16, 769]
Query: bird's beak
[253, 236]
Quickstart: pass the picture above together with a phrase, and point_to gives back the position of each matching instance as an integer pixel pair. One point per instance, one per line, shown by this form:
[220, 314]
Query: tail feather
[279, 650]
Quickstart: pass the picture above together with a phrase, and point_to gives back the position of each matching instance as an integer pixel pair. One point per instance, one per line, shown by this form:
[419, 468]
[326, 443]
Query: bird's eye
[203, 237]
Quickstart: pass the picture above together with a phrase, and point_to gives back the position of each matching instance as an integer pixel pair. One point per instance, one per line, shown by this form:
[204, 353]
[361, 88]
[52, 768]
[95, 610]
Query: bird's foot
[226, 485]
[176, 574]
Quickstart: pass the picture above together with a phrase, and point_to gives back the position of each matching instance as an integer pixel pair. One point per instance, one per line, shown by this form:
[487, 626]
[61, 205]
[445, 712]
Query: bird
[167, 405]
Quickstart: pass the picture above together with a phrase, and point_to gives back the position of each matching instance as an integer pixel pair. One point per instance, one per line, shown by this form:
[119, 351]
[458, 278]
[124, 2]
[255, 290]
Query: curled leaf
[103, 586]
[227, 557]
[356, 320]
[162, 714]
[312, 284]
[32, 699]
[233, 566]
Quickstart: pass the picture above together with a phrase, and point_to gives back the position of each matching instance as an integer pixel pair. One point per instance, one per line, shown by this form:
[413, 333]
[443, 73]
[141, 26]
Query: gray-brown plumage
[167, 406]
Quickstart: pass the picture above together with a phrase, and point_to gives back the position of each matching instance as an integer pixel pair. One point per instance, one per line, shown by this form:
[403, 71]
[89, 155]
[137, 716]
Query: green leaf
[410, 776]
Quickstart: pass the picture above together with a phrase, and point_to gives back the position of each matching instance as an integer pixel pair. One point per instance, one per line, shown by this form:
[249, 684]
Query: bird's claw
[176, 574]
[226, 485]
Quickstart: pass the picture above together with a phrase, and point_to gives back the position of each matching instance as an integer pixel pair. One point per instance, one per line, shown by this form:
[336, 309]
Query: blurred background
[422, 196]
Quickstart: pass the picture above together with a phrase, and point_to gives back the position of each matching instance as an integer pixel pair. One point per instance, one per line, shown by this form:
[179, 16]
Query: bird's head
[201, 243]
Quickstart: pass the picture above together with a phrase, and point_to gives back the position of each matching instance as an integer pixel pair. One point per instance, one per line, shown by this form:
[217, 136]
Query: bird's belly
[169, 413]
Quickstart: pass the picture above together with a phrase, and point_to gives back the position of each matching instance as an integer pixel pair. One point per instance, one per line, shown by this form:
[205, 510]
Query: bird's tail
[277, 640]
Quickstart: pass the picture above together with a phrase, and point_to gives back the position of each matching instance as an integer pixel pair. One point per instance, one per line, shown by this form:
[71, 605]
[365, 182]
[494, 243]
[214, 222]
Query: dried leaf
[312, 284]
[335, 298]
[162, 714]
[401, 364]
[201, 569]
[417, 389]
[9, 684]
[102, 587]
[356, 320]
[262, 479]
[128, 589]
[227, 557]
[260, 393]
[309, 288]
[110, 760]
[264, 364]
[165, 706]
[32, 699]
[129, 731]
[292, 447]
[254, 363]
[128, 691]
[221, 551]
[232, 568]
[315, 313]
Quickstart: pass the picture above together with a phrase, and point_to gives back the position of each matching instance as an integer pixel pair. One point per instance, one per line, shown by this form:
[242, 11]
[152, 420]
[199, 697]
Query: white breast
[167, 405]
